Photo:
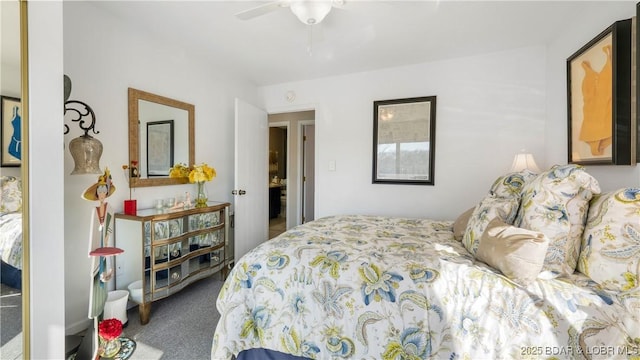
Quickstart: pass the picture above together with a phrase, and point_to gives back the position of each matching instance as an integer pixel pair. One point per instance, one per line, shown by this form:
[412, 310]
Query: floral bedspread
[367, 287]
[11, 239]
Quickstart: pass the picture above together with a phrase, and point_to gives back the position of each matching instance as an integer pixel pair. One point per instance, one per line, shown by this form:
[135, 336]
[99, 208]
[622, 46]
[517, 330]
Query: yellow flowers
[202, 172]
[197, 173]
[179, 171]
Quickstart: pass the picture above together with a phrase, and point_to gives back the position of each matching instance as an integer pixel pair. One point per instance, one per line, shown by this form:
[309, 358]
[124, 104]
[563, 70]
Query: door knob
[242, 192]
[238, 192]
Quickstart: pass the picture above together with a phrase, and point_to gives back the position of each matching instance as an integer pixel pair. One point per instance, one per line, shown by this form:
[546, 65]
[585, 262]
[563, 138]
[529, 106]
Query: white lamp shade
[311, 12]
[524, 161]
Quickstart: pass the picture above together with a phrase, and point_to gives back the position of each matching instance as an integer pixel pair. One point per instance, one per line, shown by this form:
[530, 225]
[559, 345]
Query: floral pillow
[610, 251]
[511, 184]
[490, 208]
[556, 203]
[11, 194]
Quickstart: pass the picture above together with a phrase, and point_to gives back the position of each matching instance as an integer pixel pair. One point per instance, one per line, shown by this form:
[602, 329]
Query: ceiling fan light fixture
[310, 12]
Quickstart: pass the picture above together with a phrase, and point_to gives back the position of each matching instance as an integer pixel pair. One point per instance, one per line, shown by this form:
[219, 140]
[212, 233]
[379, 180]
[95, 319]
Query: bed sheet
[369, 287]
[11, 239]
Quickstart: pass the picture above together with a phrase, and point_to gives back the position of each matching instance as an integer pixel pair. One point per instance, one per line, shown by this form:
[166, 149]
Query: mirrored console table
[166, 250]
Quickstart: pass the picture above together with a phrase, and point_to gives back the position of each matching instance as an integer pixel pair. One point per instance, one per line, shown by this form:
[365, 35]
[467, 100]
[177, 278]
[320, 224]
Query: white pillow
[517, 253]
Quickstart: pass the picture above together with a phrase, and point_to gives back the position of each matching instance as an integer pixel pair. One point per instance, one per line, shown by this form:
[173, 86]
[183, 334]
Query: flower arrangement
[110, 329]
[196, 174]
[109, 332]
[202, 172]
[179, 170]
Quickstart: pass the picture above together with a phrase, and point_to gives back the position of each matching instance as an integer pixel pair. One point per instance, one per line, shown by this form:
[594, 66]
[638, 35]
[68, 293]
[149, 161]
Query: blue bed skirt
[266, 354]
[11, 276]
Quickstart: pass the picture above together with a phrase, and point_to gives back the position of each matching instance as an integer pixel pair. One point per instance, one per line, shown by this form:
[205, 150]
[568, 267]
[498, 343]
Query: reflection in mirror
[155, 145]
[14, 224]
[404, 140]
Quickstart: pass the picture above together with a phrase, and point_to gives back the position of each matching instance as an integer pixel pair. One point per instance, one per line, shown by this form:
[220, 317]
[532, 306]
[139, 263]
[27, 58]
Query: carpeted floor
[181, 326]
[10, 323]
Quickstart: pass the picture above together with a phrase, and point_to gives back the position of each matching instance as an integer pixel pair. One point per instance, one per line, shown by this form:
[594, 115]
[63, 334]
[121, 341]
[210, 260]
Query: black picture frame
[404, 134]
[160, 144]
[10, 131]
[636, 68]
[599, 74]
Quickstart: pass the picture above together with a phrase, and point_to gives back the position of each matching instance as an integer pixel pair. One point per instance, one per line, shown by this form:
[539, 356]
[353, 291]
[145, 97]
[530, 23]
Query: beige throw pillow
[517, 253]
[460, 225]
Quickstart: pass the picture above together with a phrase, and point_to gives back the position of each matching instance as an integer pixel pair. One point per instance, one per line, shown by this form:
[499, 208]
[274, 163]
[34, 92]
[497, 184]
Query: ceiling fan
[310, 12]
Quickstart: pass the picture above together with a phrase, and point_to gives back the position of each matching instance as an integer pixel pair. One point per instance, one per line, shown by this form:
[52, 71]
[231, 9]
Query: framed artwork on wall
[159, 147]
[10, 131]
[600, 125]
[404, 141]
[635, 69]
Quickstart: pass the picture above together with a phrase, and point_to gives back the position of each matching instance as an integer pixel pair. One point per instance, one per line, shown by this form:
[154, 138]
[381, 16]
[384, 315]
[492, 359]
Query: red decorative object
[106, 251]
[110, 329]
[130, 207]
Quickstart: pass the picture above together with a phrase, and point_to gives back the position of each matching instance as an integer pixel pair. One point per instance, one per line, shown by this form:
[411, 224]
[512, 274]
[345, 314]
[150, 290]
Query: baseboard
[78, 328]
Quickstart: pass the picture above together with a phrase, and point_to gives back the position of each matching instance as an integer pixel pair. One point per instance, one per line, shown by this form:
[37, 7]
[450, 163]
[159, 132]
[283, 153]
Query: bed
[372, 287]
[11, 231]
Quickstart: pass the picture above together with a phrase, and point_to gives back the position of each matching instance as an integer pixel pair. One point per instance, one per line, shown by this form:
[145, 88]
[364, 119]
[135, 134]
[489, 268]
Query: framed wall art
[635, 100]
[404, 141]
[159, 147]
[10, 131]
[600, 126]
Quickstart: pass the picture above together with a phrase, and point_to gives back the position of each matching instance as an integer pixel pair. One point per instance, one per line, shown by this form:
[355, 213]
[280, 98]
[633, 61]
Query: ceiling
[359, 36]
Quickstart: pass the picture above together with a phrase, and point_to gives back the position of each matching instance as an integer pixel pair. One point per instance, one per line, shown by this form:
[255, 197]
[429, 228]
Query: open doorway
[290, 187]
[278, 157]
[308, 131]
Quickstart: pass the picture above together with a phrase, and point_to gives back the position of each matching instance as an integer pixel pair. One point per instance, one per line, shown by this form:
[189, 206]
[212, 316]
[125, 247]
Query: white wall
[46, 201]
[103, 57]
[488, 108]
[596, 17]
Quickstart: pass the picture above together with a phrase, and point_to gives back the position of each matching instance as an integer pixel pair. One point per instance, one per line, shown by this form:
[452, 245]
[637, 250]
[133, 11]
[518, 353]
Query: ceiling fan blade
[260, 10]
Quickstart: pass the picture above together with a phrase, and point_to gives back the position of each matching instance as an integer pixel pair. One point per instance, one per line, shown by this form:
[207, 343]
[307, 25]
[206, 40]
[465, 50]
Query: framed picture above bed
[404, 141]
[10, 131]
[600, 126]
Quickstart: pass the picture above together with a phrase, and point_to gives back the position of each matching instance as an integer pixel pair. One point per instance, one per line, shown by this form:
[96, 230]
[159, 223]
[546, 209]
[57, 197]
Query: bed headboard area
[10, 194]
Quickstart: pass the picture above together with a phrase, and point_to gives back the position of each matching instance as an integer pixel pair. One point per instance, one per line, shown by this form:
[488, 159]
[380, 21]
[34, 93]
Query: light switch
[332, 165]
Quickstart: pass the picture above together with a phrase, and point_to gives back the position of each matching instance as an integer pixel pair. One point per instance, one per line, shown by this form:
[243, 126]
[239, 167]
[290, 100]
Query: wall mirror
[404, 141]
[14, 272]
[161, 134]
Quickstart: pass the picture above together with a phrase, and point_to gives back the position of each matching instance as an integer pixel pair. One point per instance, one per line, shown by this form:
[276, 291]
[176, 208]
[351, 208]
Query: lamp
[524, 161]
[85, 149]
[310, 12]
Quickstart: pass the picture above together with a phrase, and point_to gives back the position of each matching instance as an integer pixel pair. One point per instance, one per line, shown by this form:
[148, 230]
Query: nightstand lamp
[524, 161]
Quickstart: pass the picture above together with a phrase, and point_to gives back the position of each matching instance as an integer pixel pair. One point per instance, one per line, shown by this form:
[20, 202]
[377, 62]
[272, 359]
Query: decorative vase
[108, 348]
[201, 194]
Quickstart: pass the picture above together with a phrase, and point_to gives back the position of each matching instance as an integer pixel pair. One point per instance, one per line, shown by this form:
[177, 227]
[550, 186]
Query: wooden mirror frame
[134, 142]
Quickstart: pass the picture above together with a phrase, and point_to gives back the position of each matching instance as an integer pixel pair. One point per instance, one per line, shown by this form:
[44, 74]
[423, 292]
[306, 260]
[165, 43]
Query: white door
[251, 186]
